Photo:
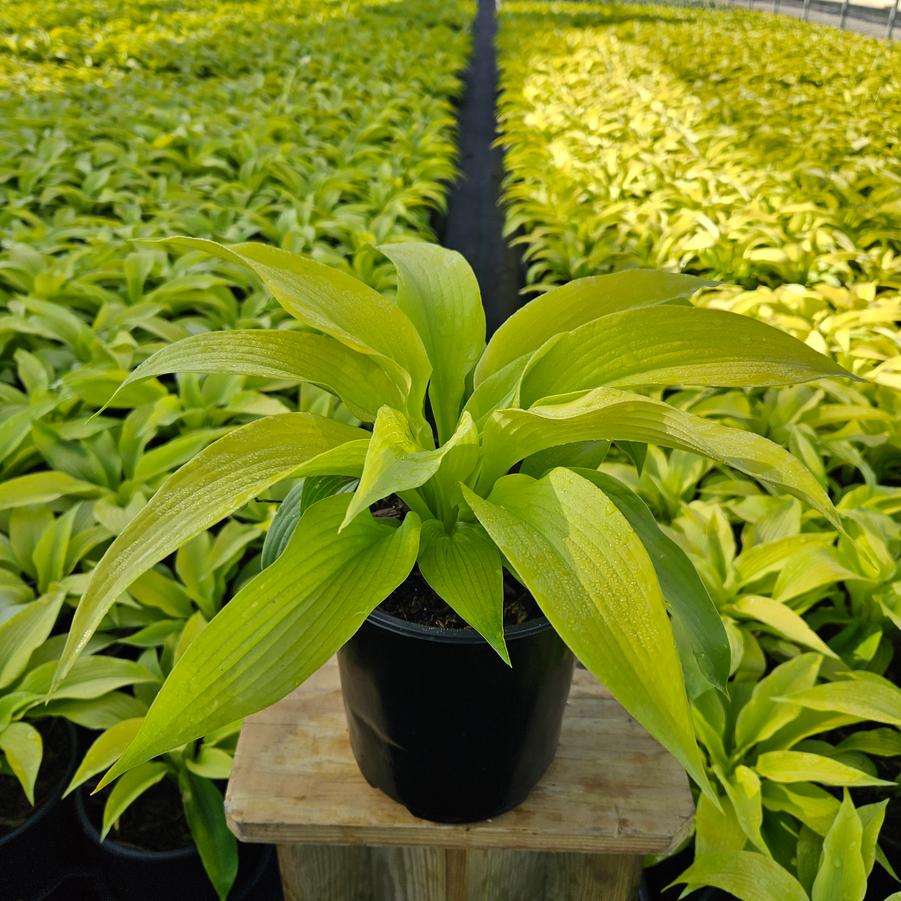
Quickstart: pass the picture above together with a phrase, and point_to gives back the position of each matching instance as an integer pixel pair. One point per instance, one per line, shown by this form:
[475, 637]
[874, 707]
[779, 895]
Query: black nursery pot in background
[441, 724]
[134, 874]
[35, 853]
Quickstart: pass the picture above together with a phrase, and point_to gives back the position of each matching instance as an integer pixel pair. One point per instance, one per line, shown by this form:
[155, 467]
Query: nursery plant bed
[611, 795]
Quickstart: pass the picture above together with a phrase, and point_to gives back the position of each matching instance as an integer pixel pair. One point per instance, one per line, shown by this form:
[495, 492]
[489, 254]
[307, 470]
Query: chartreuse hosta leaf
[592, 578]
[671, 345]
[23, 633]
[280, 627]
[205, 814]
[465, 569]
[335, 303]
[763, 714]
[104, 751]
[700, 636]
[745, 874]
[801, 766]
[220, 479]
[863, 700]
[577, 303]
[42, 487]
[280, 354]
[396, 463]
[439, 293]
[511, 434]
[23, 748]
[842, 874]
[129, 789]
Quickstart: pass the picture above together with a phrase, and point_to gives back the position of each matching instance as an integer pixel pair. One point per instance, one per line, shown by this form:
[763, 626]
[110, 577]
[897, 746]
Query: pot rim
[118, 849]
[437, 634]
[45, 809]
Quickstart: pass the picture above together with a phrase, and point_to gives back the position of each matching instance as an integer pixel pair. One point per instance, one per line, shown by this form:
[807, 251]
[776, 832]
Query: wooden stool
[611, 795]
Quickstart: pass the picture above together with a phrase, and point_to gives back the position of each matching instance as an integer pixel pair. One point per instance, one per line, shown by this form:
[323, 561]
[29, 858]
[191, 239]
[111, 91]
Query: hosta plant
[194, 768]
[491, 453]
[780, 828]
[28, 659]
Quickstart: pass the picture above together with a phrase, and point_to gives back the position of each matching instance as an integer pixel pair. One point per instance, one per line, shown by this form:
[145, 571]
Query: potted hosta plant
[471, 462]
[38, 751]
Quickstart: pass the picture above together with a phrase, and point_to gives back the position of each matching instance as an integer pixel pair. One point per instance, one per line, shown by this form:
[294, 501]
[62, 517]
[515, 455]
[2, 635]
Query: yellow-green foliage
[726, 143]
[707, 141]
[318, 126]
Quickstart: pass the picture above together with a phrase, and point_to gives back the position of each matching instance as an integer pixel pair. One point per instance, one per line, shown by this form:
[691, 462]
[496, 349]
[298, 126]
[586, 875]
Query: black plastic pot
[132, 874]
[439, 723]
[33, 855]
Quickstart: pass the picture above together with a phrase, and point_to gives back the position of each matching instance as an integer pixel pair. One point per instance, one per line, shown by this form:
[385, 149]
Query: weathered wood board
[612, 789]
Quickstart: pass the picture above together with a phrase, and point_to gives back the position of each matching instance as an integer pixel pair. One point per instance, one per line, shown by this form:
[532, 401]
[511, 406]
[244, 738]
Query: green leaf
[153, 589]
[104, 751]
[211, 763]
[439, 293]
[52, 549]
[609, 414]
[809, 803]
[303, 495]
[205, 814]
[880, 742]
[395, 462]
[717, 830]
[279, 354]
[97, 713]
[762, 716]
[801, 766]
[577, 303]
[464, 568]
[700, 637]
[89, 677]
[219, 480]
[672, 345]
[22, 745]
[23, 633]
[335, 303]
[128, 790]
[872, 816]
[41, 488]
[782, 620]
[745, 874]
[743, 788]
[865, 701]
[808, 852]
[592, 578]
[841, 875]
[166, 457]
[283, 525]
[280, 627]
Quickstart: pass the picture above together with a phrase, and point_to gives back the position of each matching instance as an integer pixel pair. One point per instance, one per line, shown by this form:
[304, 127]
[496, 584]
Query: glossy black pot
[34, 854]
[133, 874]
[441, 724]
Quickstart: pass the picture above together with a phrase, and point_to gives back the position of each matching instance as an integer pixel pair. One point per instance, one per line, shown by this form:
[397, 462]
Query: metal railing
[841, 13]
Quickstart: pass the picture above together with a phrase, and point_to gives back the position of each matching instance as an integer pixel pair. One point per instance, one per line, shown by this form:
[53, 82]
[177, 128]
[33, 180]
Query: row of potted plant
[116, 125]
[773, 171]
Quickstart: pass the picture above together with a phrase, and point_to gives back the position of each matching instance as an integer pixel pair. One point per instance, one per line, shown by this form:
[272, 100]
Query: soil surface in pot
[416, 602]
[14, 806]
[154, 822]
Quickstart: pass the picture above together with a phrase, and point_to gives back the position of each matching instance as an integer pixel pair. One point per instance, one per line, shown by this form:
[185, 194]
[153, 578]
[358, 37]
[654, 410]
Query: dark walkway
[474, 217]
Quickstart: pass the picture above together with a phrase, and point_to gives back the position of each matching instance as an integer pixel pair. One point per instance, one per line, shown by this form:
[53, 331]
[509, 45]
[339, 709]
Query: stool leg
[326, 873]
[503, 875]
[354, 873]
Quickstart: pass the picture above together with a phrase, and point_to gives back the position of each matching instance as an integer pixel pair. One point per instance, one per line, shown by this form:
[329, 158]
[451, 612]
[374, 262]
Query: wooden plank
[355, 873]
[610, 790]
